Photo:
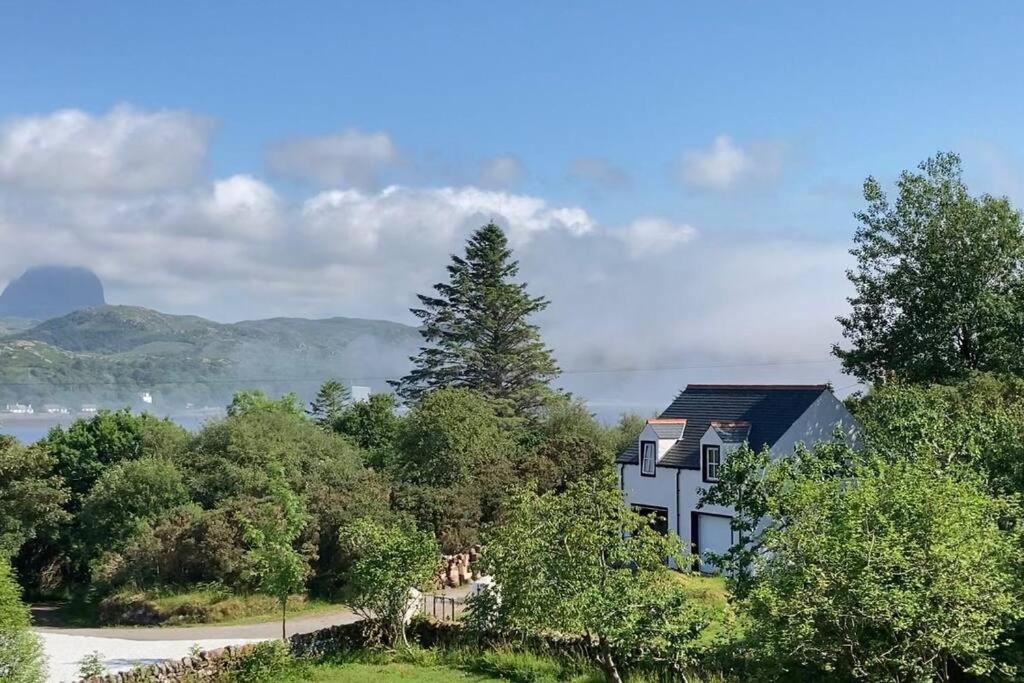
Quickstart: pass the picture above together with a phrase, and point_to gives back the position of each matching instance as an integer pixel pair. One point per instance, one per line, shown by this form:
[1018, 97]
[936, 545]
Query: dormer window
[712, 463]
[648, 457]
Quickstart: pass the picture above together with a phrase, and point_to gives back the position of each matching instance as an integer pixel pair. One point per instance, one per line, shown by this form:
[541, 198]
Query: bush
[21, 657]
[266, 661]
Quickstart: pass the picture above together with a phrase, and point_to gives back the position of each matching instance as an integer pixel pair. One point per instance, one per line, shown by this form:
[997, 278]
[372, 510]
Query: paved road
[263, 630]
[270, 629]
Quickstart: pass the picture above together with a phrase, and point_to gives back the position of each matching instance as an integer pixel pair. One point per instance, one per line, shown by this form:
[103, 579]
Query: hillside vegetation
[109, 354]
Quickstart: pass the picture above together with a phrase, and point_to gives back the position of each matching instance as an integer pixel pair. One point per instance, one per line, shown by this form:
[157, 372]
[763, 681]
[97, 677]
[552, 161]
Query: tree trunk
[284, 612]
[611, 672]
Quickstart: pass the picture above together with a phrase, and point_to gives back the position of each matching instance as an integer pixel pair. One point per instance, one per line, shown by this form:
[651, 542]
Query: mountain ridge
[110, 353]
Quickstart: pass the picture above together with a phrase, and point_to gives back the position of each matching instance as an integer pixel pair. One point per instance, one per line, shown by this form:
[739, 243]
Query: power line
[320, 378]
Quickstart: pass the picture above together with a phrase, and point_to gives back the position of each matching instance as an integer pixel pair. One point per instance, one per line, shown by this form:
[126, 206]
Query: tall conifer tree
[478, 331]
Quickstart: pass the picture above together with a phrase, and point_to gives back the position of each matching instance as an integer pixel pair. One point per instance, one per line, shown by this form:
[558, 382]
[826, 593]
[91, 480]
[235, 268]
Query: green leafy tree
[627, 431]
[391, 559]
[371, 424]
[583, 562]
[868, 569]
[329, 403]
[478, 331]
[85, 449]
[255, 401]
[447, 437]
[126, 500]
[977, 423]
[275, 567]
[571, 445]
[938, 281]
[21, 656]
[31, 498]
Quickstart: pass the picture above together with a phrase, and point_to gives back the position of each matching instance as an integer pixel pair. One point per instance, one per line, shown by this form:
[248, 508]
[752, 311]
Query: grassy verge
[200, 606]
[444, 665]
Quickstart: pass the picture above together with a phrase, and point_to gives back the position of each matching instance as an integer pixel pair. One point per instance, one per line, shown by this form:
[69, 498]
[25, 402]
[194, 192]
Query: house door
[713, 534]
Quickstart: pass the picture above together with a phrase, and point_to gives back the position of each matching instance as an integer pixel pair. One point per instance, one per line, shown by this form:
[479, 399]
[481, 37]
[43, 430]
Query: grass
[196, 607]
[201, 607]
[395, 671]
[419, 664]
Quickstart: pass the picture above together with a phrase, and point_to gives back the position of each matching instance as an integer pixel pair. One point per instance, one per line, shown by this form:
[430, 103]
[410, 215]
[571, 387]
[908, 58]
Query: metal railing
[442, 607]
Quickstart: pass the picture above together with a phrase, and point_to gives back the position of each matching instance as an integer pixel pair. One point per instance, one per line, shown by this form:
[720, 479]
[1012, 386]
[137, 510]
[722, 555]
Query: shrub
[21, 657]
[266, 661]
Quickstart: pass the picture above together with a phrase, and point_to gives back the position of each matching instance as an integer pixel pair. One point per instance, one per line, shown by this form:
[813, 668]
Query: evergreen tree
[329, 403]
[478, 331]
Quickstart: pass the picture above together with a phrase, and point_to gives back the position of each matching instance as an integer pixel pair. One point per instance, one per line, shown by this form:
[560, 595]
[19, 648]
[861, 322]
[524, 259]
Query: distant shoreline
[59, 418]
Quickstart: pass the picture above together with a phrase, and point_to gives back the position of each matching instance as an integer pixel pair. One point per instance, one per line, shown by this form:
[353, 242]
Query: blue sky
[848, 89]
[232, 159]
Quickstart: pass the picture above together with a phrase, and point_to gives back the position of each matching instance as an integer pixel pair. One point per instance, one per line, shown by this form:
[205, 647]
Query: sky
[679, 179]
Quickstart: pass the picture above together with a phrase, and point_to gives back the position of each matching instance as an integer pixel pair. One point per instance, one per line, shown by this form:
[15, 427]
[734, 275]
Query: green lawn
[356, 673]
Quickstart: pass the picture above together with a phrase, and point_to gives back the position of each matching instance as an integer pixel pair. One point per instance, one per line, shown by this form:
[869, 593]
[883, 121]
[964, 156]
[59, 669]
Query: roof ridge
[666, 420]
[761, 387]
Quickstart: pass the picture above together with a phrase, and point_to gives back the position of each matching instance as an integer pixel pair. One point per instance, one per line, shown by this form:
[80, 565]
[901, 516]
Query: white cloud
[599, 172]
[653, 292]
[244, 206]
[502, 171]
[646, 235]
[351, 158]
[726, 165]
[123, 151]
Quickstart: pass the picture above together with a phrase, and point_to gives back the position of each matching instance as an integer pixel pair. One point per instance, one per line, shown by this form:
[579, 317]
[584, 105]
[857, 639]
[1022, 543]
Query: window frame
[705, 464]
[654, 459]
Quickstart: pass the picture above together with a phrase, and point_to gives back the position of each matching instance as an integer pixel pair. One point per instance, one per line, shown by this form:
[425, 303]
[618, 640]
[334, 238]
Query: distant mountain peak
[48, 291]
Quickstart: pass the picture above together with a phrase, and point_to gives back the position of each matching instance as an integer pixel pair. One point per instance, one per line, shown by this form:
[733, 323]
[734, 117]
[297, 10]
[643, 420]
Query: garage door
[713, 535]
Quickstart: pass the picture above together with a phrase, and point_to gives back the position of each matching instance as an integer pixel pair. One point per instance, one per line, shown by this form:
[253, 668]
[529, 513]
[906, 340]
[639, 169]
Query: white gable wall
[656, 491]
[817, 424]
[648, 434]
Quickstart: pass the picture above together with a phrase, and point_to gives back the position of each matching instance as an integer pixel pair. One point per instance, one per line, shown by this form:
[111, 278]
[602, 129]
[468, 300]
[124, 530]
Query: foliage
[447, 437]
[626, 432]
[329, 403]
[264, 662]
[939, 289]
[477, 331]
[868, 569]
[572, 446]
[21, 656]
[255, 401]
[274, 565]
[185, 546]
[91, 665]
[126, 499]
[391, 560]
[89, 446]
[977, 423]
[584, 562]
[372, 425]
[31, 498]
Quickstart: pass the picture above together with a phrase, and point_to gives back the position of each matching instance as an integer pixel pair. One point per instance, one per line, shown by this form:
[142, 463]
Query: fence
[442, 607]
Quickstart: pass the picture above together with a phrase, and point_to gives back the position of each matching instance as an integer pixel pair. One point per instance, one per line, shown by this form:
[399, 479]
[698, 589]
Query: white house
[681, 451]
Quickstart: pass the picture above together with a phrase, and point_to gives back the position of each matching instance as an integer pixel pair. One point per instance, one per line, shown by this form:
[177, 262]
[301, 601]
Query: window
[648, 456]
[712, 462]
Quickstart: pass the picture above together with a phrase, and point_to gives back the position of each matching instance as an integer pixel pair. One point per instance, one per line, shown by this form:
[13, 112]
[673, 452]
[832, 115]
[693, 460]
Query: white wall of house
[656, 491]
[817, 424]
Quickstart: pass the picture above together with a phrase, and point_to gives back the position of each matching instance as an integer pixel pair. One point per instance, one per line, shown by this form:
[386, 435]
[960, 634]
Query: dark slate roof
[770, 409]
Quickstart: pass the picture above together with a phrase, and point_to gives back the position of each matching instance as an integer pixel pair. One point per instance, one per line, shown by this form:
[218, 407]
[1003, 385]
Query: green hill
[110, 354]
